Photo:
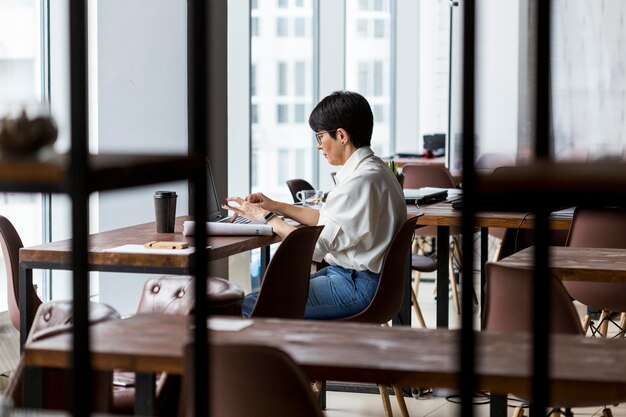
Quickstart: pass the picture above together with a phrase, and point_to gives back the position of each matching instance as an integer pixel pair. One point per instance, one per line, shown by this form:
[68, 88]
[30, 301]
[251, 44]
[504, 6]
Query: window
[282, 79]
[254, 26]
[282, 63]
[281, 27]
[283, 4]
[299, 113]
[254, 4]
[300, 78]
[252, 80]
[368, 62]
[282, 113]
[299, 27]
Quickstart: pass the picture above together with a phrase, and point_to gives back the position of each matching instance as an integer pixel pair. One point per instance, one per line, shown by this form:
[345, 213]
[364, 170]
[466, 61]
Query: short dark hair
[347, 110]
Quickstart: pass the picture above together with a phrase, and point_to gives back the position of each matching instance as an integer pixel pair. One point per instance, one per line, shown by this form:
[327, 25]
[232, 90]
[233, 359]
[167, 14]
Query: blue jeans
[334, 292]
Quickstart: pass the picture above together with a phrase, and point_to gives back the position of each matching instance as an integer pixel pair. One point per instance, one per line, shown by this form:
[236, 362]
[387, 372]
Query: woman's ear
[343, 137]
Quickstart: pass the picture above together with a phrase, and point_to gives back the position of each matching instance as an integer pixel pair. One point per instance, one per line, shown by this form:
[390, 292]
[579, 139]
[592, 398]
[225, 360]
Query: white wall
[141, 107]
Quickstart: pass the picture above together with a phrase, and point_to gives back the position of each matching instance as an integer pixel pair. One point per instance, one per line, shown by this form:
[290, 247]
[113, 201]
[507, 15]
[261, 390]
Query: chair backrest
[11, 244]
[296, 185]
[272, 383]
[509, 302]
[390, 291]
[417, 176]
[493, 160]
[168, 294]
[285, 285]
[514, 240]
[598, 228]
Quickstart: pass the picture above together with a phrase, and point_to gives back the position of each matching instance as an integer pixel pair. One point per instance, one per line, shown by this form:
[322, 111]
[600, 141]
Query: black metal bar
[541, 320]
[542, 94]
[32, 388]
[265, 259]
[443, 277]
[79, 179]
[26, 303]
[145, 396]
[497, 405]
[484, 255]
[198, 68]
[466, 347]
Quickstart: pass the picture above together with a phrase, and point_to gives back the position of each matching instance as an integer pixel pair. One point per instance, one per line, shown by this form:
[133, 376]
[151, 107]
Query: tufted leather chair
[53, 318]
[175, 295]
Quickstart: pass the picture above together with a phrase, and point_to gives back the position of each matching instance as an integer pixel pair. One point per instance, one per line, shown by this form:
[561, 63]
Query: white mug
[310, 198]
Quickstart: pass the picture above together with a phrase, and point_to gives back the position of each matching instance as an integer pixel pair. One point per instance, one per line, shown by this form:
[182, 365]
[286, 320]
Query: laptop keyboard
[238, 220]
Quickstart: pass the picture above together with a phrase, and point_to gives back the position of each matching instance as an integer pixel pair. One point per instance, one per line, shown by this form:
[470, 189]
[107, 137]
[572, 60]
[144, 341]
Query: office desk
[57, 255]
[444, 216]
[577, 264]
[330, 350]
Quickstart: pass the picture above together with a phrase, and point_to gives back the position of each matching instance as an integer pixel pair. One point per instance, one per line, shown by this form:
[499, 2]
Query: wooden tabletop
[59, 253]
[577, 264]
[356, 352]
[442, 214]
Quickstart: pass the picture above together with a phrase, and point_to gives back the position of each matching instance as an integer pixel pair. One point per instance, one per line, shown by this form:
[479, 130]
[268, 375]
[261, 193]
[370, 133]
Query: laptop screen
[213, 203]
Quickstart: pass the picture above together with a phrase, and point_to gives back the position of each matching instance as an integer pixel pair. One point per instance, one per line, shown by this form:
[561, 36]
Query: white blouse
[361, 214]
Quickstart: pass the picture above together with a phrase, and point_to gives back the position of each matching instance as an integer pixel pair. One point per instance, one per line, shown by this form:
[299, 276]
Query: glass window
[300, 78]
[281, 27]
[254, 4]
[254, 114]
[282, 79]
[361, 28]
[20, 83]
[299, 115]
[253, 80]
[254, 26]
[368, 63]
[282, 113]
[283, 165]
[283, 62]
[300, 163]
[299, 27]
[283, 4]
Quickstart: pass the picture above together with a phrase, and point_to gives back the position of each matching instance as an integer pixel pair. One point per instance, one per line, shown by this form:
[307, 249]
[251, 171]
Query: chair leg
[455, 290]
[457, 253]
[603, 324]
[518, 412]
[400, 399]
[385, 397]
[606, 412]
[622, 324]
[586, 323]
[416, 306]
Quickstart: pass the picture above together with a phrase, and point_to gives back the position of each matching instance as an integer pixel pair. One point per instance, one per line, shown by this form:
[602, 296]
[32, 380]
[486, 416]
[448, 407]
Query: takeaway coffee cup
[165, 210]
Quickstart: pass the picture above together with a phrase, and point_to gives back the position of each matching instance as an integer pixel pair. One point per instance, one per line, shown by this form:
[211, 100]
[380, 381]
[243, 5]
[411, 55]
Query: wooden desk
[577, 264]
[57, 255]
[357, 352]
[444, 216]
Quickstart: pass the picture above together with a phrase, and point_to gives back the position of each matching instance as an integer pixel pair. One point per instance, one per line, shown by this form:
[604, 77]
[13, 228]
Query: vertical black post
[443, 277]
[541, 291]
[466, 347]
[79, 177]
[197, 59]
[484, 255]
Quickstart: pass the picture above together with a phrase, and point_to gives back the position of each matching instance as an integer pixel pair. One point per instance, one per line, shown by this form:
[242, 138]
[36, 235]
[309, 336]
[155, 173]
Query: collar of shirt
[353, 162]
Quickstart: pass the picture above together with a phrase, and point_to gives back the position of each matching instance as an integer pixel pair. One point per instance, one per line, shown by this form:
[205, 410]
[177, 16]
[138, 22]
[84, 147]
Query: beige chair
[599, 228]
[247, 381]
[503, 283]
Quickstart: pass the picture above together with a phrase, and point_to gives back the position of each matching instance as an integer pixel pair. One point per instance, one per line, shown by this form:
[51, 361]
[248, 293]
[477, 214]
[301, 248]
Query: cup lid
[164, 194]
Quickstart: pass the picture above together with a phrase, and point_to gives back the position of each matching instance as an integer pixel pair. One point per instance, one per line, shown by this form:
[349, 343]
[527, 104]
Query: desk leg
[404, 315]
[32, 388]
[497, 405]
[25, 303]
[443, 277]
[265, 259]
[144, 394]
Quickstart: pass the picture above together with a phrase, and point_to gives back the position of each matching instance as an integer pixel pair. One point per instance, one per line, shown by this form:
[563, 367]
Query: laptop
[425, 195]
[213, 203]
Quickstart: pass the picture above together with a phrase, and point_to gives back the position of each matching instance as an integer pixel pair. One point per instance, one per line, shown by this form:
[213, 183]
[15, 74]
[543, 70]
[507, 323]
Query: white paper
[230, 325]
[142, 249]
[229, 229]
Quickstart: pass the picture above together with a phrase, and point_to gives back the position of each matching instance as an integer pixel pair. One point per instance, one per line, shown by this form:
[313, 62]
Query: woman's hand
[261, 199]
[250, 210]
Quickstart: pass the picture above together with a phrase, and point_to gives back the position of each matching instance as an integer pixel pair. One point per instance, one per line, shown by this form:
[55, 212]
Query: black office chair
[296, 185]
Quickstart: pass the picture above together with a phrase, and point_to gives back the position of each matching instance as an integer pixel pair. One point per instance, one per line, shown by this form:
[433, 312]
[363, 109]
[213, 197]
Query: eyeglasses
[319, 135]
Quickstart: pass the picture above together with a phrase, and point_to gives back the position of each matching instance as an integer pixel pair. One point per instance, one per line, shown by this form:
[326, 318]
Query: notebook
[425, 195]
